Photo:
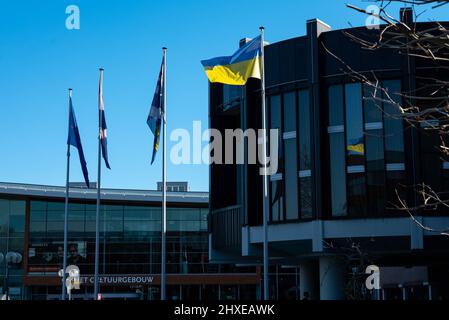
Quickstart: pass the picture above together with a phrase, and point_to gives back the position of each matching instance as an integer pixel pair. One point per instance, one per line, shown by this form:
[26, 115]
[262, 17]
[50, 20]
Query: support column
[331, 279]
[315, 28]
[308, 280]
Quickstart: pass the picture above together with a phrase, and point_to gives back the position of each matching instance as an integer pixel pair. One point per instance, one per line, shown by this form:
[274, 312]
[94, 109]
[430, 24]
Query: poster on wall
[48, 257]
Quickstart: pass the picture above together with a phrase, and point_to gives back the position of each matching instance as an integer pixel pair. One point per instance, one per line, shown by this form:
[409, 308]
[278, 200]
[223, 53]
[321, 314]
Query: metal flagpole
[66, 210]
[265, 182]
[164, 187]
[97, 217]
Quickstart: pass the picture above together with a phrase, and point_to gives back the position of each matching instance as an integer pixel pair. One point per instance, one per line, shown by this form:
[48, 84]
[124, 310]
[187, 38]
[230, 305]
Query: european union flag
[75, 140]
[103, 126]
[157, 110]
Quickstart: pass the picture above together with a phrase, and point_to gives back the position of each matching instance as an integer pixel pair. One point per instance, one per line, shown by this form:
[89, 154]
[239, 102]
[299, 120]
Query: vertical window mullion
[283, 184]
[270, 189]
[365, 158]
[345, 143]
[298, 159]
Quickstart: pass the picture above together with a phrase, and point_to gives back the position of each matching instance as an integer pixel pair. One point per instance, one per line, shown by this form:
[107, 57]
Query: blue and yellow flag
[238, 68]
[356, 147]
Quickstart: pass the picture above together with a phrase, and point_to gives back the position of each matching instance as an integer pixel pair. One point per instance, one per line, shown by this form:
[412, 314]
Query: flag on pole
[238, 68]
[157, 111]
[103, 127]
[74, 140]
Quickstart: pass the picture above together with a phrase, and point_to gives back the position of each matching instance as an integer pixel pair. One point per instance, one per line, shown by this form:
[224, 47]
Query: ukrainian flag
[356, 147]
[238, 68]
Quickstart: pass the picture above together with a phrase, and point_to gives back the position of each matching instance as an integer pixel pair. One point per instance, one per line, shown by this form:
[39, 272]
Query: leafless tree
[425, 108]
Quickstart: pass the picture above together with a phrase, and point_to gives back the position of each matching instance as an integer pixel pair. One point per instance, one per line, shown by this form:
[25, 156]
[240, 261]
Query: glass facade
[130, 246]
[291, 190]
[337, 151]
[130, 238]
[12, 239]
[366, 148]
[291, 163]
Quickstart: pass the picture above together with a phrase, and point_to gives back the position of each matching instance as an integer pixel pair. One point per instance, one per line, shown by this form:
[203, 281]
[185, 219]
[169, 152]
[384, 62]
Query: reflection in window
[336, 106]
[291, 166]
[396, 187]
[277, 200]
[354, 124]
[231, 96]
[372, 104]
[305, 180]
[290, 112]
[291, 180]
[375, 175]
[338, 174]
[306, 197]
[394, 131]
[130, 238]
[304, 131]
[356, 194]
[394, 144]
[275, 123]
[337, 151]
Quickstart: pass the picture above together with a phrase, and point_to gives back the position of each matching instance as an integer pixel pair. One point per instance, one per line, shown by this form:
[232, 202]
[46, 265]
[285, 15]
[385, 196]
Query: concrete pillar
[332, 279]
[308, 280]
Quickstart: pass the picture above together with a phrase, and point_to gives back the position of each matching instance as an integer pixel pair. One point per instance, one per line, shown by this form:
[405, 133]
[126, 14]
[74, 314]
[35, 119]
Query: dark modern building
[333, 204]
[31, 223]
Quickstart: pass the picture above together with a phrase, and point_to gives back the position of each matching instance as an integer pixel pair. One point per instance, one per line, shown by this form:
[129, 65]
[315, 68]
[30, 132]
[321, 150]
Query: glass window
[38, 206]
[113, 214]
[277, 200]
[394, 131]
[136, 213]
[306, 197]
[55, 226]
[373, 104]
[291, 180]
[354, 124]
[375, 166]
[304, 131]
[231, 96]
[37, 226]
[356, 194]
[182, 214]
[338, 174]
[337, 152]
[335, 105]
[36, 215]
[77, 212]
[4, 218]
[113, 226]
[275, 123]
[76, 226]
[396, 185]
[290, 112]
[275, 112]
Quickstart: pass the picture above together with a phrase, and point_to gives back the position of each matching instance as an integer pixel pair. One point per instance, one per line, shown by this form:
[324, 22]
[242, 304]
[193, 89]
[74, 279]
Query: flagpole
[97, 216]
[66, 210]
[164, 188]
[265, 182]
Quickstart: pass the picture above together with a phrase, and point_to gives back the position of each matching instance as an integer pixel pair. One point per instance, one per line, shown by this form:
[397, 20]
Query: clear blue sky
[40, 59]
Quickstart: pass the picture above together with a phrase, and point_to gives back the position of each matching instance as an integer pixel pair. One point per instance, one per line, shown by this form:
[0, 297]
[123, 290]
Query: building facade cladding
[343, 160]
[31, 223]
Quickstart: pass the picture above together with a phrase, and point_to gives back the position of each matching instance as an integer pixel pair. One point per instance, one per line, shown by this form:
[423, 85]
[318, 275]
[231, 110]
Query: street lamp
[11, 258]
